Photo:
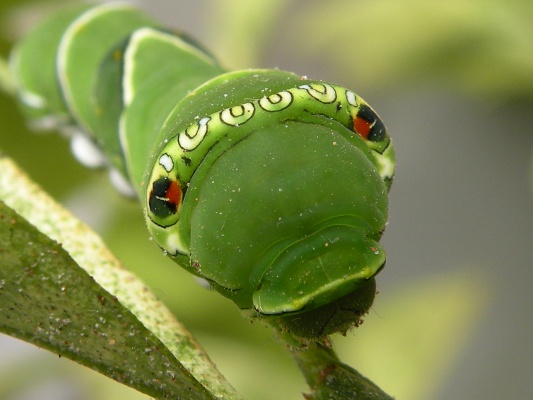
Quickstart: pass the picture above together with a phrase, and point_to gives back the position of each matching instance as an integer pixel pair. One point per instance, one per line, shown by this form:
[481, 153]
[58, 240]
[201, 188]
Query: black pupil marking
[158, 203]
[377, 132]
[187, 161]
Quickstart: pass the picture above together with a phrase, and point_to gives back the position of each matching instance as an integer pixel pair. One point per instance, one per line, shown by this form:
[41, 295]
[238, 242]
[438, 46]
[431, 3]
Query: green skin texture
[126, 85]
[280, 205]
[305, 222]
[35, 67]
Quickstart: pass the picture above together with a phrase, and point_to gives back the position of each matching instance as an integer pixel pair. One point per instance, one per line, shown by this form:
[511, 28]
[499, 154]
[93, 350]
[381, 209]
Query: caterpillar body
[272, 187]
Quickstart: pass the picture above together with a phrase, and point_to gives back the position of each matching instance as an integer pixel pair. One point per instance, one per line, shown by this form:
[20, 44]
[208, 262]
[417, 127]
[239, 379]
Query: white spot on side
[174, 244]
[166, 162]
[122, 184]
[68, 131]
[204, 121]
[32, 100]
[202, 282]
[386, 166]
[351, 98]
[86, 151]
[45, 124]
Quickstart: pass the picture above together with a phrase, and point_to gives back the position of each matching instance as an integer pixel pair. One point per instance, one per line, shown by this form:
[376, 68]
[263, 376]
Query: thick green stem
[327, 376]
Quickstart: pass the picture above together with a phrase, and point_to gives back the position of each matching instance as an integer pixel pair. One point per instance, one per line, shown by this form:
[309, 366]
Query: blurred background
[453, 82]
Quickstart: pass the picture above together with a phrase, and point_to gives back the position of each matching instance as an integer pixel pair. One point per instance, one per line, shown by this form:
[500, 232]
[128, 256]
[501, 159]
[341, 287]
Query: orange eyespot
[165, 197]
[362, 127]
[368, 125]
[173, 193]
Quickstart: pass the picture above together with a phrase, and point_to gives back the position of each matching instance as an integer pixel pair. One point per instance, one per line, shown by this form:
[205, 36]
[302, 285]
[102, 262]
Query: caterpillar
[270, 186]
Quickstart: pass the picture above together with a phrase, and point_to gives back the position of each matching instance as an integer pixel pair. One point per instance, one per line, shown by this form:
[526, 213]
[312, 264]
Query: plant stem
[327, 376]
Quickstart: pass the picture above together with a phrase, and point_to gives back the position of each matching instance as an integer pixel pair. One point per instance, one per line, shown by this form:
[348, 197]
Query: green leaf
[98, 315]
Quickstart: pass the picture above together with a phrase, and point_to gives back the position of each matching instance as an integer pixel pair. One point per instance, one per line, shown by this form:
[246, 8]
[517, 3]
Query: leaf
[118, 328]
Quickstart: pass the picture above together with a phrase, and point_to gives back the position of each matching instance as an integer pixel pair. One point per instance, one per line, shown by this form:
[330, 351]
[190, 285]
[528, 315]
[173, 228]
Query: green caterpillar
[271, 186]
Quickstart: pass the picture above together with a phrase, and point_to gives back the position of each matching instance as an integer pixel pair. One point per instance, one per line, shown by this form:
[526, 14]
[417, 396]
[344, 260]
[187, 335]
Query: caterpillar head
[284, 218]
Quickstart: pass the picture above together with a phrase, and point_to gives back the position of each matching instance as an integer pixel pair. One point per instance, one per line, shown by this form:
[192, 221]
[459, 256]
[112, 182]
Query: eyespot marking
[237, 115]
[194, 134]
[322, 92]
[368, 125]
[277, 101]
[362, 127]
[351, 98]
[165, 197]
[166, 162]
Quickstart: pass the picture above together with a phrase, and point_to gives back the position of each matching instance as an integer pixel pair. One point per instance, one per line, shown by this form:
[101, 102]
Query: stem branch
[327, 376]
